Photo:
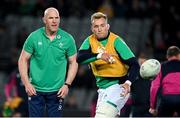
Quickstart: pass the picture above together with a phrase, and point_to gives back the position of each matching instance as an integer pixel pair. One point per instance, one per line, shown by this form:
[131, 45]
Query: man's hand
[126, 87]
[153, 111]
[63, 91]
[30, 90]
[107, 57]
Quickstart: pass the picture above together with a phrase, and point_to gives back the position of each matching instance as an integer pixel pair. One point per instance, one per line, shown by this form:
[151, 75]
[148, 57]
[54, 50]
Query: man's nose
[99, 29]
[54, 20]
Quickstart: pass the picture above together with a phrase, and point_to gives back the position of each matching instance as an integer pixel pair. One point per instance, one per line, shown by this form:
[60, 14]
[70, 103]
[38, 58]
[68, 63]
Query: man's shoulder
[88, 38]
[116, 38]
[112, 33]
[170, 63]
[116, 35]
[38, 31]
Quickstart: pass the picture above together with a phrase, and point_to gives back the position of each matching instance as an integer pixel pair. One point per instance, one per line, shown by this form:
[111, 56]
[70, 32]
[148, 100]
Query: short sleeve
[123, 50]
[72, 47]
[28, 45]
[85, 45]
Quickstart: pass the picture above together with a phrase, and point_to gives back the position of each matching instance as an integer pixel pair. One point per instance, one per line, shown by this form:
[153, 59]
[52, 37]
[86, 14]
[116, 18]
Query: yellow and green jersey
[104, 72]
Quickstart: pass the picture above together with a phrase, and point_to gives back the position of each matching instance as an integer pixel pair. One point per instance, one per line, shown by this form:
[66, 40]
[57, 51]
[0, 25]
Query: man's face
[52, 20]
[100, 28]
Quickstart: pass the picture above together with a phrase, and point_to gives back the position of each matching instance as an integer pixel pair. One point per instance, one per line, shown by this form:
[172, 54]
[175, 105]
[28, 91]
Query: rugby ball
[150, 68]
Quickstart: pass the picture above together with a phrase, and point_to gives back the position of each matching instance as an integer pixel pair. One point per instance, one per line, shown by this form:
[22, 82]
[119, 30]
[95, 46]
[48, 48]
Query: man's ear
[44, 21]
[167, 57]
[108, 26]
[92, 28]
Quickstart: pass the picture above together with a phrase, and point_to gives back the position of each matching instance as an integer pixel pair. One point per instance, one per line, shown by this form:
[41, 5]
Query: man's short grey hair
[173, 51]
[99, 15]
[50, 8]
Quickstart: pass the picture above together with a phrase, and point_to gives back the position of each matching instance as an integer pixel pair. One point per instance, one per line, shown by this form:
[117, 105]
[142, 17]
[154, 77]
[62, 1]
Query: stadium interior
[148, 27]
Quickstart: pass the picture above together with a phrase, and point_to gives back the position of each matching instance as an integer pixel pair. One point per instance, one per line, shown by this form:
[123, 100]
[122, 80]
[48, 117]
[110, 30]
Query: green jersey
[123, 51]
[48, 62]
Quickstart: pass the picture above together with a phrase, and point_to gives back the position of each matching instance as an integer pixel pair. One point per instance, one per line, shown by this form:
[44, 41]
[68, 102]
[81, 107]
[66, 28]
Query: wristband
[99, 55]
[68, 85]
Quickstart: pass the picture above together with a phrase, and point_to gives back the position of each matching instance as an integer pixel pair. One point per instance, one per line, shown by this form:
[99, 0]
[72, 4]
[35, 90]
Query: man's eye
[102, 25]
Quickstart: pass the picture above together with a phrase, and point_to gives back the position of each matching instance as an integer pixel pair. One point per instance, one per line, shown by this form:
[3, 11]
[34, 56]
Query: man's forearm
[85, 57]
[133, 70]
[73, 67]
[23, 70]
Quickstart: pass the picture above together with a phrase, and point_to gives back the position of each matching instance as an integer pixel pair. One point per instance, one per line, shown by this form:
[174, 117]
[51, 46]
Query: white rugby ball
[150, 68]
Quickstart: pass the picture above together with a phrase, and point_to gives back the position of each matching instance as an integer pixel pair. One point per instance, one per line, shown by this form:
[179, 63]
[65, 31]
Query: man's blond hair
[98, 15]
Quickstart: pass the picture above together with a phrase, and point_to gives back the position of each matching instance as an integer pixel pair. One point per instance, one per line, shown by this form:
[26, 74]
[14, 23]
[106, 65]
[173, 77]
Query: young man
[112, 62]
[46, 53]
[169, 84]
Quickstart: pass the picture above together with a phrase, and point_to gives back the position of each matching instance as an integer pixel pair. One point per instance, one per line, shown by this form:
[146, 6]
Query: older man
[46, 52]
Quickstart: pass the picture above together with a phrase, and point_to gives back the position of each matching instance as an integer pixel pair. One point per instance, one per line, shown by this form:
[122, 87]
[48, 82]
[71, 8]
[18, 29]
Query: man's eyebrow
[53, 17]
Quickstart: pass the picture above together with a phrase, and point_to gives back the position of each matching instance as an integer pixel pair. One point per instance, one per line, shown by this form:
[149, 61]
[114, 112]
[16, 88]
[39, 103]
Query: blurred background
[148, 27]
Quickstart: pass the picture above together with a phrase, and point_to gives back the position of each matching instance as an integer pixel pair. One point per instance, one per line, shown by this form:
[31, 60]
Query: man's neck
[51, 35]
[172, 58]
[101, 39]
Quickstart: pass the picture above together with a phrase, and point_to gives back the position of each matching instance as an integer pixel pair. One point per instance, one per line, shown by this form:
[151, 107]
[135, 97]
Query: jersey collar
[58, 36]
[101, 39]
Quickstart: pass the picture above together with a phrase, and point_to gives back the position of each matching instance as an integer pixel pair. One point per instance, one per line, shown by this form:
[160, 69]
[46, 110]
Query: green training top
[123, 51]
[48, 62]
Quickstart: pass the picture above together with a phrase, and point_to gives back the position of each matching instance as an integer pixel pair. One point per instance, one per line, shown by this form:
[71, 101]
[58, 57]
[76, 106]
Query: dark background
[148, 27]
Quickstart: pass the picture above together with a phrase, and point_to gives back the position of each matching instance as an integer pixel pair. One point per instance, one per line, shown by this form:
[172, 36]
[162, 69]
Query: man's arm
[133, 72]
[72, 69]
[128, 58]
[155, 85]
[85, 55]
[23, 64]
[71, 73]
